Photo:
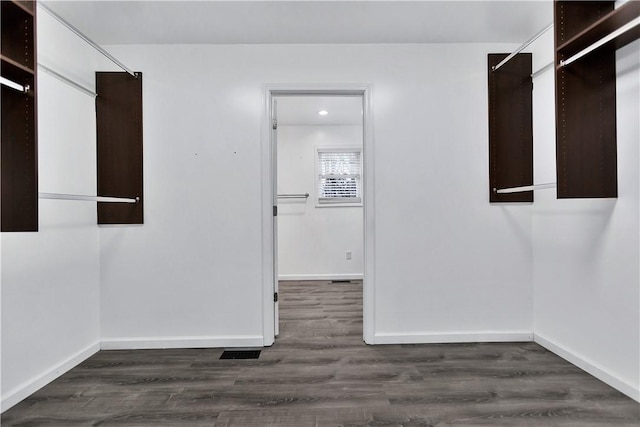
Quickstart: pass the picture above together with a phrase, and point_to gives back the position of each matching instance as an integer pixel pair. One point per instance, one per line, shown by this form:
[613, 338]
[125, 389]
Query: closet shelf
[26, 6]
[603, 27]
[7, 63]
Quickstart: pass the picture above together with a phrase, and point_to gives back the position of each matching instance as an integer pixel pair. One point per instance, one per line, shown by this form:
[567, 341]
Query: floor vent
[341, 281]
[240, 354]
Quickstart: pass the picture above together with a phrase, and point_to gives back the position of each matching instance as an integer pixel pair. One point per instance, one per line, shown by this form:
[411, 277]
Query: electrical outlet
[348, 254]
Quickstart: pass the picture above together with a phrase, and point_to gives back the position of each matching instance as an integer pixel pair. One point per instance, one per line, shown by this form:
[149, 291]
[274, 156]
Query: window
[339, 175]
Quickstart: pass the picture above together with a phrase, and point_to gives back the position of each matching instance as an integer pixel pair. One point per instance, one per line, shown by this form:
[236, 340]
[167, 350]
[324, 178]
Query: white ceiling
[303, 110]
[301, 21]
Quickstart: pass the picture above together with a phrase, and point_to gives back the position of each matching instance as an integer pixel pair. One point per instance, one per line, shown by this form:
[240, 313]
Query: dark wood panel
[612, 21]
[573, 17]
[320, 373]
[586, 153]
[19, 161]
[119, 146]
[19, 143]
[510, 127]
[18, 33]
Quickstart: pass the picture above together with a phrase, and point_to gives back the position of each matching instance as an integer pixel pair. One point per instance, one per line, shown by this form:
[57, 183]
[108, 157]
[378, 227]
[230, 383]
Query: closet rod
[602, 41]
[14, 85]
[521, 48]
[542, 70]
[525, 188]
[84, 198]
[86, 39]
[67, 80]
[294, 196]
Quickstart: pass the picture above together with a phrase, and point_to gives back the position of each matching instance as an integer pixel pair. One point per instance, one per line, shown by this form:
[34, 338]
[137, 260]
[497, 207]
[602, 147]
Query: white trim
[29, 387]
[590, 367]
[368, 186]
[267, 197]
[452, 337]
[348, 276]
[145, 343]
[366, 92]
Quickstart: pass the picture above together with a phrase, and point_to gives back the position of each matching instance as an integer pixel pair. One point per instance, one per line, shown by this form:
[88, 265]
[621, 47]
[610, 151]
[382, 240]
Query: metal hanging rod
[525, 188]
[521, 48]
[293, 196]
[602, 41]
[14, 85]
[67, 80]
[83, 198]
[542, 70]
[86, 39]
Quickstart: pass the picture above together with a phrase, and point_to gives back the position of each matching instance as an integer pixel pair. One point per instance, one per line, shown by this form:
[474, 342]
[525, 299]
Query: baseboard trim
[590, 367]
[27, 388]
[146, 343]
[320, 276]
[452, 337]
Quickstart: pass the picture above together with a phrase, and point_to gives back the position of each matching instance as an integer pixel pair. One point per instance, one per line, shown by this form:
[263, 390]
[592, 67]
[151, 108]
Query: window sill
[339, 205]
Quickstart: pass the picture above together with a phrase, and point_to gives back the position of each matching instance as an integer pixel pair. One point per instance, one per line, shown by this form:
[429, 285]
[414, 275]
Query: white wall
[50, 279]
[448, 265]
[586, 252]
[312, 240]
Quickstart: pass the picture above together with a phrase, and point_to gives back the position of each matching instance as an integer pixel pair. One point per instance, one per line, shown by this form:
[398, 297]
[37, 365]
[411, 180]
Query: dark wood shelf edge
[22, 6]
[605, 25]
[17, 64]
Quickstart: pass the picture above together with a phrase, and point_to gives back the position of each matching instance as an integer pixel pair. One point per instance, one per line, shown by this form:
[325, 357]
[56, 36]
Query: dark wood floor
[319, 373]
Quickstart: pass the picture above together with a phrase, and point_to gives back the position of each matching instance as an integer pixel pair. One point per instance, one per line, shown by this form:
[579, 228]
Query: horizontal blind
[339, 176]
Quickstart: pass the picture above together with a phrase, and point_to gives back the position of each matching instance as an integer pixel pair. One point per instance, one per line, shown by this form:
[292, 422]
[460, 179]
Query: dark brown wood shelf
[19, 143]
[604, 26]
[586, 146]
[8, 63]
[27, 6]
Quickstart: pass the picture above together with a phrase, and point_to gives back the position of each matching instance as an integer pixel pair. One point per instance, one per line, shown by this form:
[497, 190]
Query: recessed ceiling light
[323, 112]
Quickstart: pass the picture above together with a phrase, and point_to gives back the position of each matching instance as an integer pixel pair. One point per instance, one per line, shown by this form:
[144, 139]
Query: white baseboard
[452, 337]
[145, 343]
[320, 276]
[588, 366]
[27, 388]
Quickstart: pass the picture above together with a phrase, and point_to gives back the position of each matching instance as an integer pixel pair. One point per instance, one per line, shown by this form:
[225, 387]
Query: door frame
[268, 197]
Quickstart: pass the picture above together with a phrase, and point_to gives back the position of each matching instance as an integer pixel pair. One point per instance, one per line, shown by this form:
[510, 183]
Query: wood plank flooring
[319, 373]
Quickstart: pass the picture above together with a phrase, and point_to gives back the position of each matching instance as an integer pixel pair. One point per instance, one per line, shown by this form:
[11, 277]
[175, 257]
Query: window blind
[339, 176]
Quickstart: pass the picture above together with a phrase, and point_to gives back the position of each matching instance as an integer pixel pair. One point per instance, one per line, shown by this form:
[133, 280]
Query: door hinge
[275, 211]
[275, 297]
[274, 124]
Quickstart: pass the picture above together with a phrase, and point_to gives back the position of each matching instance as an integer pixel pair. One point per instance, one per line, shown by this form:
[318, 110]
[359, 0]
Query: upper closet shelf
[27, 6]
[10, 63]
[620, 27]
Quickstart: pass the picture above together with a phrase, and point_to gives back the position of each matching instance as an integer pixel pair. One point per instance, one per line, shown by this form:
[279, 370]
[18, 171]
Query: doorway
[320, 226]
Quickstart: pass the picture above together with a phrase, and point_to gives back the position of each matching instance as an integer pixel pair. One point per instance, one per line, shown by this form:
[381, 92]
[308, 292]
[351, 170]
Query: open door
[274, 192]
[272, 236]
